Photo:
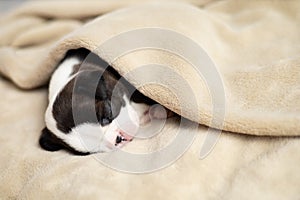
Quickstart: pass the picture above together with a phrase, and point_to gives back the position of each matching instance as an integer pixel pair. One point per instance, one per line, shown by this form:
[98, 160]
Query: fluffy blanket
[230, 65]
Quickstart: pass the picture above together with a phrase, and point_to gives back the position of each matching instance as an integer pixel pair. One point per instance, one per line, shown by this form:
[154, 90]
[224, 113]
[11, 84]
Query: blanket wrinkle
[255, 47]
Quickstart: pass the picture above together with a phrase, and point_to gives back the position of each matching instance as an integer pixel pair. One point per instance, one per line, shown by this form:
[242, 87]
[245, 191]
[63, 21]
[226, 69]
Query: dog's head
[85, 116]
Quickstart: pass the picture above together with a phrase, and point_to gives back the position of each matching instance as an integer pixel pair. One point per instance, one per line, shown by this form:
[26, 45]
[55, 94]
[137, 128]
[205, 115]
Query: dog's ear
[49, 141]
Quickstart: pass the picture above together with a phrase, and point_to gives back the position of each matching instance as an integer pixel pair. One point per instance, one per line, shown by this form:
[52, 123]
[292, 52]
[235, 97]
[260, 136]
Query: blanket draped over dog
[255, 49]
[230, 65]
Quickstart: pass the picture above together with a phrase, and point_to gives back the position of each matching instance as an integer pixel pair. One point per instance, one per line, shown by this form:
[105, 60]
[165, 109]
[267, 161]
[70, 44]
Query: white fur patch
[61, 76]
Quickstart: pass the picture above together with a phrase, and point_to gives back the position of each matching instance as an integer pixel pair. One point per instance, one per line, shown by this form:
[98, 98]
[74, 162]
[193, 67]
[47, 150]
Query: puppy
[91, 108]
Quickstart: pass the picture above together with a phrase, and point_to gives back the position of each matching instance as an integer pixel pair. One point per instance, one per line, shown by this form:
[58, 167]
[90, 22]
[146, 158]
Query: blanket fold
[256, 59]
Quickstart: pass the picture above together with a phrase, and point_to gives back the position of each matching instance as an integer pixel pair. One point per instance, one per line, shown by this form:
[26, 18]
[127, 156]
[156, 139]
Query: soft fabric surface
[255, 47]
[239, 167]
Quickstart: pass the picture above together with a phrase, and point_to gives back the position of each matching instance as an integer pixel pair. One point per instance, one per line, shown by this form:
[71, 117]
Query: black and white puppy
[91, 108]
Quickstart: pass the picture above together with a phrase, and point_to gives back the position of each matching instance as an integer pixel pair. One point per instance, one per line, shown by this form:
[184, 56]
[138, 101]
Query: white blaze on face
[128, 120]
[131, 123]
[126, 124]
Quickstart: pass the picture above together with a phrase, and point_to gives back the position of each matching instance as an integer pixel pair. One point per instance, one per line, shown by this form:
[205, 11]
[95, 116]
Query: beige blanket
[251, 50]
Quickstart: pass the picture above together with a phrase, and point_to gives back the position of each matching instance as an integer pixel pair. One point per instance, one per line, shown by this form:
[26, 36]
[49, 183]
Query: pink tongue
[126, 136]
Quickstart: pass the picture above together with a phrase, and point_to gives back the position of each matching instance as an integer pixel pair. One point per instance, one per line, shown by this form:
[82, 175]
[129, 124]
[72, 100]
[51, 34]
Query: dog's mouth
[117, 139]
[123, 138]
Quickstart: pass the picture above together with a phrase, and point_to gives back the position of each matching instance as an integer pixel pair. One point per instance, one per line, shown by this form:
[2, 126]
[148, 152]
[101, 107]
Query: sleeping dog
[91, 108]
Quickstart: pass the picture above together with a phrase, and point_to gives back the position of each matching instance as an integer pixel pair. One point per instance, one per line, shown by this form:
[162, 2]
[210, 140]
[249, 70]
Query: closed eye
[105, 121]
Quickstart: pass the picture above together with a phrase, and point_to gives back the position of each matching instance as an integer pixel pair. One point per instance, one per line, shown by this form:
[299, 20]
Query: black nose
[118, 140]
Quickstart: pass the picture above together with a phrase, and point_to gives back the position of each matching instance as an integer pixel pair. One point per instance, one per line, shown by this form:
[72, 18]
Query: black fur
[50, 142]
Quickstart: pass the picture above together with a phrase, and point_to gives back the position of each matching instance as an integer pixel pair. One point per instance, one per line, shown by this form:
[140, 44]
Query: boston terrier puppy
[91, 108]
